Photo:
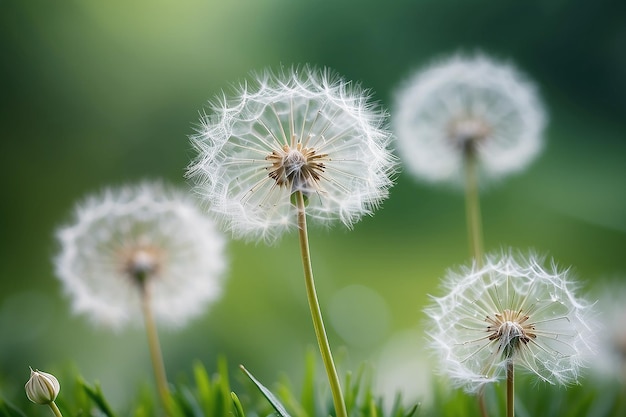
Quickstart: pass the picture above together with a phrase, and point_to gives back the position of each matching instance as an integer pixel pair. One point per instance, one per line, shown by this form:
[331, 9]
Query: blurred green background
[98, 93]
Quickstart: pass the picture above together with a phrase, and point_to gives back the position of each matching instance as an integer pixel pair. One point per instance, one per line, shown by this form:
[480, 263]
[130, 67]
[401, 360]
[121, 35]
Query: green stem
[155, 351]
[472, 209]
[510, 397]
[481, 403]
[474, 231]
[316, 313]
[55, 409]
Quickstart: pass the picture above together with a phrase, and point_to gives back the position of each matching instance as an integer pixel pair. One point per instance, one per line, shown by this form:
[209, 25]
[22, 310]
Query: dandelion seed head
[303, 130]
[467, 105]
[610, 362]
[127, 240]
[511, 309]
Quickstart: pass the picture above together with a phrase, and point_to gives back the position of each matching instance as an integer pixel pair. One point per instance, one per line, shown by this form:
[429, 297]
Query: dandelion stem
[481, 402]
[472, 208]
[55, 409]
[510, 398]
[155, 350]
[316, 313]
[474, 230]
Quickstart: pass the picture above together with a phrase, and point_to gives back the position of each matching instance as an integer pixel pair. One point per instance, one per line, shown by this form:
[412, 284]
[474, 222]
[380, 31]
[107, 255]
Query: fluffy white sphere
[511, 309]
[467, 103]
[123, 241]
[300, 130]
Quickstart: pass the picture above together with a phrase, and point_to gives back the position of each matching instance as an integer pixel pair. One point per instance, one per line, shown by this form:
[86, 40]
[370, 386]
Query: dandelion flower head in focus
[303, 130]
[467, 106]
[511, 309]
[147, 237]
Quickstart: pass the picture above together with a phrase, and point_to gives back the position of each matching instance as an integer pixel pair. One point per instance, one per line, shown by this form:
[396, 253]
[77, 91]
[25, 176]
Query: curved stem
[155, 350]
[472, 209]
[316, 313]
[510, 397]
[55, 409]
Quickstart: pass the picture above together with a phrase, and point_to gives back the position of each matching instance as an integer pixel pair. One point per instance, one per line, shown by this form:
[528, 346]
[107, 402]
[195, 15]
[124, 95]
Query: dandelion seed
[467, 107]
[123, 241]
[306, 130]
[512, 311]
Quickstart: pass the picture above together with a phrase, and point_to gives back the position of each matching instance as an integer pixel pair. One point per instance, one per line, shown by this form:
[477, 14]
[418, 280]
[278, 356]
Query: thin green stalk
[472, 209]
[481, 402]
[316, 313]
[55, 409]
[474, 232]
[510, 397]
[155, 351]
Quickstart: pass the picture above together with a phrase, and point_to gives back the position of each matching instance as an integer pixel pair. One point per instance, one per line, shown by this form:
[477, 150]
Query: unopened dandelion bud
[42, 387]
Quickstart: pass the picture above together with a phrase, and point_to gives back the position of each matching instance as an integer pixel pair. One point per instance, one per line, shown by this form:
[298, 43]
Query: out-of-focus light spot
[403, 367]
[359, 315]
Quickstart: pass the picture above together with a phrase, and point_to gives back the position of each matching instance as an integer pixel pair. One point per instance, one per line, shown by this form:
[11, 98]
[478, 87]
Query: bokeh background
[99, 93]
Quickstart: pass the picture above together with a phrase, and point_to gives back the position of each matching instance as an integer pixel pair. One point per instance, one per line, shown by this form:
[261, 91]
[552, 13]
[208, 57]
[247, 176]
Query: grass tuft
[204, 394]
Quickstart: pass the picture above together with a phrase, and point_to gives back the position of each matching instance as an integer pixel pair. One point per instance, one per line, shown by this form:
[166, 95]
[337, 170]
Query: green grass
[205, 394]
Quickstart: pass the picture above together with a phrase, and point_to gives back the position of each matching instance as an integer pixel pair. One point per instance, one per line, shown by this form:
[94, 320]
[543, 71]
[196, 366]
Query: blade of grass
[238, 408]
[280, 409]
[8, 410]
[222, 384]
[203, 386]
[96, 395]
[307, 399]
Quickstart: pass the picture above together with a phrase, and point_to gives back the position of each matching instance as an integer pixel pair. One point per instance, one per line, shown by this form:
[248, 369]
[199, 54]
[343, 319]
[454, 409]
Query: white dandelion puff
[610, 361]
[467, 106]
[123, 241]
[304, 130]
[291, 146]
[510, 311]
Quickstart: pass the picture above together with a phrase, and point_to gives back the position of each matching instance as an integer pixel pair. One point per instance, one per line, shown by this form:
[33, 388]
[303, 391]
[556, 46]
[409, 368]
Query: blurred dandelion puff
[304, 130]
[148, 237]
[610, 362]
[464, 109]
[141, 252]
[510, 312]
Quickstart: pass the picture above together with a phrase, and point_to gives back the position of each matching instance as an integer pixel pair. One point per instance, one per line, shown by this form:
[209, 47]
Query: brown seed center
[298, 168]
[467, 133]
[510, 330]
[141, 262]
